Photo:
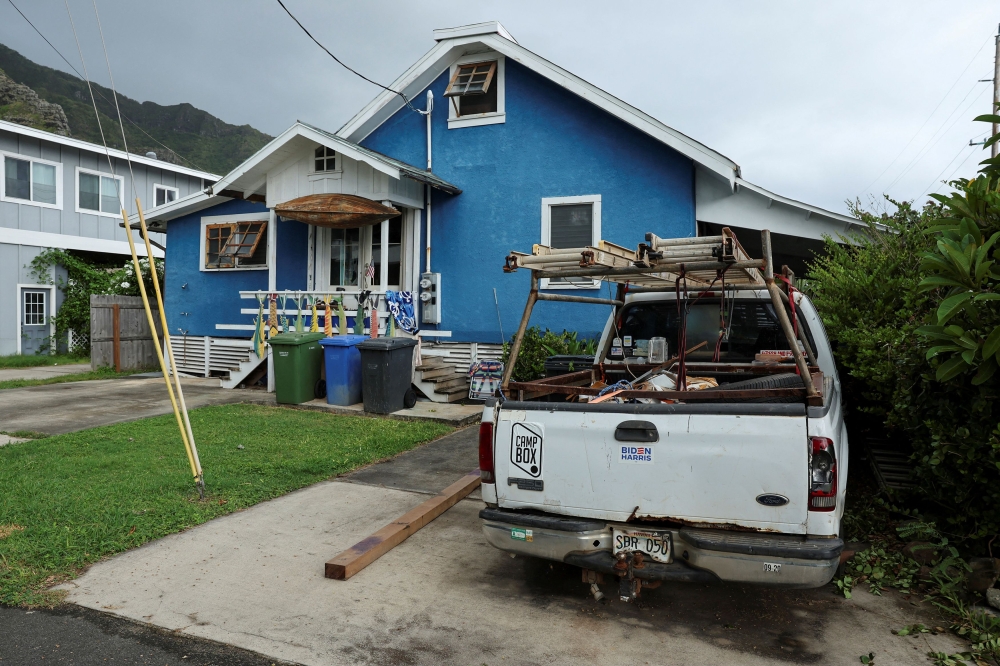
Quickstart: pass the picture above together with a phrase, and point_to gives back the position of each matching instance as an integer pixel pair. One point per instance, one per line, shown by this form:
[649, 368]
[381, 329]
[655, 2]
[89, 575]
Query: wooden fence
[119, 333]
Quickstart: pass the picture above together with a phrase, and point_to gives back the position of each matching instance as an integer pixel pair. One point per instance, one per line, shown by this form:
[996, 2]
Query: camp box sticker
[636, 454]
[526, 448]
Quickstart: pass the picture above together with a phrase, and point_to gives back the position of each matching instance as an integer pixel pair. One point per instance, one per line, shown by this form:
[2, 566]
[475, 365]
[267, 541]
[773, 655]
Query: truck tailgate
[748, 469]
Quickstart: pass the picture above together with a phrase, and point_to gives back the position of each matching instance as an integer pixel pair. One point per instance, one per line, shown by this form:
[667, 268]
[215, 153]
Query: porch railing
[291, 310]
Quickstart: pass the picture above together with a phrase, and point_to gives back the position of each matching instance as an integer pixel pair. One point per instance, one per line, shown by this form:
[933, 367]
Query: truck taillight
[486, 453]
[822, 475]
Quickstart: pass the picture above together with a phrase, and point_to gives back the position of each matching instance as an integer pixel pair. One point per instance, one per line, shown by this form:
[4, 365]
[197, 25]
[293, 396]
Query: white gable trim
[297, 130]
[94, 148]
[446, 51]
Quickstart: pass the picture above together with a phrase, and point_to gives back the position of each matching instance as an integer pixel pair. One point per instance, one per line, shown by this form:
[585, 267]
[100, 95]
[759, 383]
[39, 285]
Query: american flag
[370, 272]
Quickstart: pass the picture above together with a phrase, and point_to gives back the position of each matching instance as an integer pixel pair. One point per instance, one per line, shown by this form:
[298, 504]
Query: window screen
[571, 225]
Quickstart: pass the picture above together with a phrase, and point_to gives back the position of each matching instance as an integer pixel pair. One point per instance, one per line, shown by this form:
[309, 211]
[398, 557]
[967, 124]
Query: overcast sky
[821, 102]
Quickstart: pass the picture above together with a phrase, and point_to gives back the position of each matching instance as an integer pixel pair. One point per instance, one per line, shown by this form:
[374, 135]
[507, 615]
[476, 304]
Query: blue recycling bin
[343, 369]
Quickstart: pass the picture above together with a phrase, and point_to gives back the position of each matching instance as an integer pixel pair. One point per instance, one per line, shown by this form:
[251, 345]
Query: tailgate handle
[636, 431]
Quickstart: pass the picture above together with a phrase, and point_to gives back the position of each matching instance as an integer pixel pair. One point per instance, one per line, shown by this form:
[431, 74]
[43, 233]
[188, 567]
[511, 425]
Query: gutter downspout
[427, 188]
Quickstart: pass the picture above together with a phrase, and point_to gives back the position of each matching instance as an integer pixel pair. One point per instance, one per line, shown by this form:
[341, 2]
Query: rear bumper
[700, 555]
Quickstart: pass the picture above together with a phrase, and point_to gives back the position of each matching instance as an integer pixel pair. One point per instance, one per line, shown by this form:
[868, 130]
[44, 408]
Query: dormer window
[326, 159]
[470, 88]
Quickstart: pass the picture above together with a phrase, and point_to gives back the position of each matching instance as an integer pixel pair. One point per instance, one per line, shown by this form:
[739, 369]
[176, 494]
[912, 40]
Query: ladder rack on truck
[693, 267]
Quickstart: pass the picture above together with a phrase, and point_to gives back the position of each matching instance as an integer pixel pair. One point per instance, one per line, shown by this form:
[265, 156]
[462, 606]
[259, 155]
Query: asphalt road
[77, 636]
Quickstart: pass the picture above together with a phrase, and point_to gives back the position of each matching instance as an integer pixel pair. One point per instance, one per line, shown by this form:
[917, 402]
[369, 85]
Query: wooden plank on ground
[366, 551]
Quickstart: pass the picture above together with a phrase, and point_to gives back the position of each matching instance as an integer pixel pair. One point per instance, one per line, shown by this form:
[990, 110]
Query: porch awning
[338, 211]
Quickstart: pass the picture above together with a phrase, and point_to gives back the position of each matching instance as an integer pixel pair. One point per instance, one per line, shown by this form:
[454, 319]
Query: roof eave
[428, 67]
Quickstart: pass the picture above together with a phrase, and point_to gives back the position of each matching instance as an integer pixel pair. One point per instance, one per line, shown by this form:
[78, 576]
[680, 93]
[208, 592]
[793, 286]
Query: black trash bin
[386, 374]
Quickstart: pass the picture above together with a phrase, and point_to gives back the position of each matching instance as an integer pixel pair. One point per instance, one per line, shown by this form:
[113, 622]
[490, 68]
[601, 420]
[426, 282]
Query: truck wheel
[783, 380]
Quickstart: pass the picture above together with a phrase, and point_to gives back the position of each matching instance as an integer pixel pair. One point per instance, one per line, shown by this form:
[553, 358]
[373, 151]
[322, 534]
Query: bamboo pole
[156, 345]
[193, 453]
[515, 346]
[779, 309]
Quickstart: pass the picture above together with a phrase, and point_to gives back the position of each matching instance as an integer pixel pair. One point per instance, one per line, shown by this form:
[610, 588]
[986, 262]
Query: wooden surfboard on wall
[337, 211]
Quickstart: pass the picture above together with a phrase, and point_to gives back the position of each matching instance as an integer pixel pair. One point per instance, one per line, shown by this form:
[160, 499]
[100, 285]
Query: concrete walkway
[255, 580]
[43, 371]
[55, 409]
[453, 414]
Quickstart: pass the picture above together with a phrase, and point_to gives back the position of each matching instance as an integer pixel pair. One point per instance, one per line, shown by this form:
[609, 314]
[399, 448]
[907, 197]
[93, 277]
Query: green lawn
[106, 372]
[35, 360]
[69, 500]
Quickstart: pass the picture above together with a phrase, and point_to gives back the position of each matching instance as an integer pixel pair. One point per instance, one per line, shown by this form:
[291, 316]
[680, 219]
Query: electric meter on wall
[430, 298]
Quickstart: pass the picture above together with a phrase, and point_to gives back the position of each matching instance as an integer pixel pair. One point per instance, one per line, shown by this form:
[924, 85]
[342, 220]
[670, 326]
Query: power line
[927, 148]
[960, 165]
[915, 134]
[341, 63]
[98, 92]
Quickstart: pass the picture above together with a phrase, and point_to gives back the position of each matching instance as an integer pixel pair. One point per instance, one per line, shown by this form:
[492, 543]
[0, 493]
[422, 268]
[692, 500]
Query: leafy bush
[84, 278]
[915, 312]
[538, 346]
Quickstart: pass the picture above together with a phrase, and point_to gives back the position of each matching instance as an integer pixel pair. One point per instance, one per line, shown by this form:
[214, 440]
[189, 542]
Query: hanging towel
[400, 304]
[328, 319]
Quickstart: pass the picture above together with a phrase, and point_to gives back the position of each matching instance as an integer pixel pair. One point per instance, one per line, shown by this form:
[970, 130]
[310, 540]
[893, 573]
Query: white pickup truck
[745, 489]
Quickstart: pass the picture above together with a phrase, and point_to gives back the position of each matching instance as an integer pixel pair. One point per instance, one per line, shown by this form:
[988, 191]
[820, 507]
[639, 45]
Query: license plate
[654, 544]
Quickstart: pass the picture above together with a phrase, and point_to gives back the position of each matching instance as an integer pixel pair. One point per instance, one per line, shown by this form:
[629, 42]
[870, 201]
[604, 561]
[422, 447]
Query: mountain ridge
[178, 133]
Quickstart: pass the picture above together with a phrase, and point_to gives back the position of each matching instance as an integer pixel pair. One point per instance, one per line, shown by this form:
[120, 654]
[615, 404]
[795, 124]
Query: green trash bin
[298, 362]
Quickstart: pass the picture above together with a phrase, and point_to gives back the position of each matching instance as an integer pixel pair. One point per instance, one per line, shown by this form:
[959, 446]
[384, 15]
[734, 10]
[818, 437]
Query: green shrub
[914, 309]
[538, 346]
[84, 278]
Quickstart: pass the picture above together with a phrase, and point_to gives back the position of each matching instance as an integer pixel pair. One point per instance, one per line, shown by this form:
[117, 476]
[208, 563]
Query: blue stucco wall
[553, 144]
[212, 297]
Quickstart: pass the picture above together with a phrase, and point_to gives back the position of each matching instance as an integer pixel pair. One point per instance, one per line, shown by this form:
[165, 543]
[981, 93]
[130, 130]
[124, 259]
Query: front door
[35, 330]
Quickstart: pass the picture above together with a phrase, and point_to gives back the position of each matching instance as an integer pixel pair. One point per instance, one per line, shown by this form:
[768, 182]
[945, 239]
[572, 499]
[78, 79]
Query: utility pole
[996, 93]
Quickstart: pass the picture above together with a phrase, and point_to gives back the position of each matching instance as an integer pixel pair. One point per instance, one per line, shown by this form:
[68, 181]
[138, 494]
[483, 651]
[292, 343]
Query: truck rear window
[751, 326]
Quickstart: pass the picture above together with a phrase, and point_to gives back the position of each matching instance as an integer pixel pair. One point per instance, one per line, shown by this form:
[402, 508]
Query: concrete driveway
[55, 409]
[255, 580]
[43, 371]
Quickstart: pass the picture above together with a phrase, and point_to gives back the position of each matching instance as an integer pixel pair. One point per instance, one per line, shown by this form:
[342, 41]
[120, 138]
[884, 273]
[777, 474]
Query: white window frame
[338, 161]
[51, 304]
[87, 211]
[24, 306]
[499, 79]
[231, 219]
[26, 202]
[547, 204]
[175, 190]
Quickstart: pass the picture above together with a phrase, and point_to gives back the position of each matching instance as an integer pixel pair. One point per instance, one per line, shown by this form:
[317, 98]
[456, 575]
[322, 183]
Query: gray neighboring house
[58, 192]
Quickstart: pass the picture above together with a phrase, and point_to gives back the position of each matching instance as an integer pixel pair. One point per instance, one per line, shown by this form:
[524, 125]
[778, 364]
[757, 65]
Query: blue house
[498, 150]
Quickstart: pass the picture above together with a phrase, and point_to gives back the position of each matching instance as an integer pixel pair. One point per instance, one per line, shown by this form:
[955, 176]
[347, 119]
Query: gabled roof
[291, 142]
[452, 43]
[95, 148]
[249, 177]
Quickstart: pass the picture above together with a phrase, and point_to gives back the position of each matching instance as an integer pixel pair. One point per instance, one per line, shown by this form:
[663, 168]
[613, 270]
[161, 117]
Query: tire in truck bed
[783, 380]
